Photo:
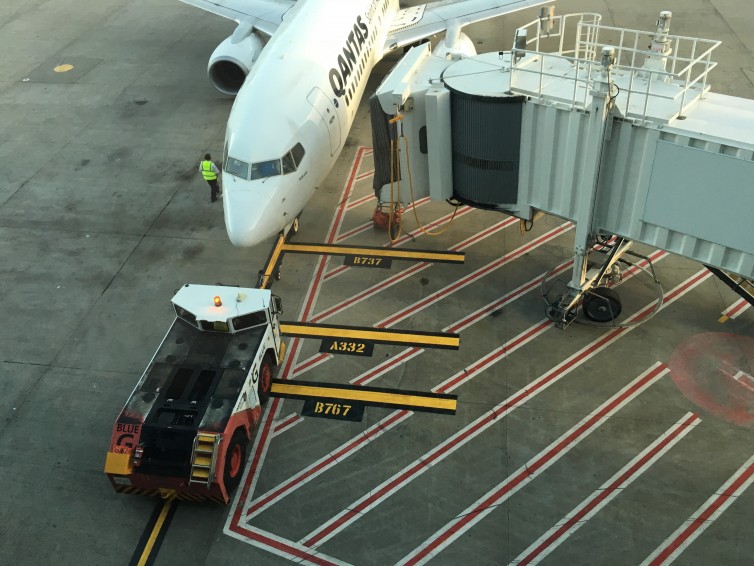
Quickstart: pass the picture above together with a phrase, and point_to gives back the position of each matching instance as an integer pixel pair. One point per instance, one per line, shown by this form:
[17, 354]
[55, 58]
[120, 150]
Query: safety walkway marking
[408, 237]
[389, 487]
[672, 547]
[734, 310]
[542, 461]
[604, 494]
[296, 481]
[409, 271]
[443, 340]
[373, 396]
[315, 360]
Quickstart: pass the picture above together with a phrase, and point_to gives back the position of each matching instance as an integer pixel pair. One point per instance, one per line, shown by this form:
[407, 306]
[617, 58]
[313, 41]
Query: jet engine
[232, 60]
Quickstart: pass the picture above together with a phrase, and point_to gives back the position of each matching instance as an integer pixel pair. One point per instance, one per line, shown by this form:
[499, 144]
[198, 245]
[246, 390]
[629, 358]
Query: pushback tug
[184, 430]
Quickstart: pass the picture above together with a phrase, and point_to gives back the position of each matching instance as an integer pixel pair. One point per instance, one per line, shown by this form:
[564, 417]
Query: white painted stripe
[407, 272]
[672, 547]
[263, 436]
[474, 276]
[380, 493]
[608, 491]
[320, 466]
[536, 465]
[736, 308]
[287, 423]
[282, 547]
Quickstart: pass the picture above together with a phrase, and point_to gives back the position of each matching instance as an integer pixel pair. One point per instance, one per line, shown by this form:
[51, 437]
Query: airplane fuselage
[291, 118]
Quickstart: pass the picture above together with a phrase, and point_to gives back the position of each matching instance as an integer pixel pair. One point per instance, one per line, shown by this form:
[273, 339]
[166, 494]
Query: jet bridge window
[237, 168]
[265, 169]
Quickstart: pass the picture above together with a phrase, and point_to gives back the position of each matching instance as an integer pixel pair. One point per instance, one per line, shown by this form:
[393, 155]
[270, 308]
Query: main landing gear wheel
[601, 304]
[265, 380]
[234, 460]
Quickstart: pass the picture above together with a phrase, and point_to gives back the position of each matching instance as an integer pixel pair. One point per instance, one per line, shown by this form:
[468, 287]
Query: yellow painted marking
[63, 68]
[723, 319]
[155, 531]
[387, 252]
[268, 270]
[365, 396]
[448, 340]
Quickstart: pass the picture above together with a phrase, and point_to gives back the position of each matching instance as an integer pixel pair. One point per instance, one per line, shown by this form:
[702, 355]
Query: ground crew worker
[210, 172]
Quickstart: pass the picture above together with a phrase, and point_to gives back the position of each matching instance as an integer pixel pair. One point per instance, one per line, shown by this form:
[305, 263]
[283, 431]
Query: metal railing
[680, 73]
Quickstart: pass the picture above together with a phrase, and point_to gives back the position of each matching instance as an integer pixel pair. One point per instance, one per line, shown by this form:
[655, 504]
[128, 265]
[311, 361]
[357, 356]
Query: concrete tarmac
[573, 447]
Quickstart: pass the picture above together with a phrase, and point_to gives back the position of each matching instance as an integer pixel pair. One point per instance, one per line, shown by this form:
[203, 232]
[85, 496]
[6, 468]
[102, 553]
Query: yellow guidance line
[420, 255]
[272, 261]
[380, 336]
[167, 504]
[403, 400]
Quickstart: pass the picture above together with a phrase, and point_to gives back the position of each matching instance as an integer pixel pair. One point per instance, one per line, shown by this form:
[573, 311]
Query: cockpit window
[237, 168]
[298, 153]
[288, 165]
[265, 169]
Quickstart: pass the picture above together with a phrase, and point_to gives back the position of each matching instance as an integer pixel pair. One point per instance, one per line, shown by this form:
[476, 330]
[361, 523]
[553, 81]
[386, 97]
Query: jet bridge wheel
[265, 380]
[234, 460]
[601, 304]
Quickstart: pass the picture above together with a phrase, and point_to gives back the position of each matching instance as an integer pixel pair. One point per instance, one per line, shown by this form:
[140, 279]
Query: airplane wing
[263, 15]
[413, 24]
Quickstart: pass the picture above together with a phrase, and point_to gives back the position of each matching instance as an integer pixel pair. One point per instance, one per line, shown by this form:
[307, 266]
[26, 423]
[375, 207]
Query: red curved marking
[715, 372]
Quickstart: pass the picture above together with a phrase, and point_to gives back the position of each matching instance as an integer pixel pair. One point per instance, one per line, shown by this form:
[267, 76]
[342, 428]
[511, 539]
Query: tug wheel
[602, 305]
[234, 460]
[265, 380]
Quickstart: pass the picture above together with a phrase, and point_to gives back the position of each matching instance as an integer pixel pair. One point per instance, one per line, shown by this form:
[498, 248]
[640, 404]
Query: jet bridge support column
[584, 239]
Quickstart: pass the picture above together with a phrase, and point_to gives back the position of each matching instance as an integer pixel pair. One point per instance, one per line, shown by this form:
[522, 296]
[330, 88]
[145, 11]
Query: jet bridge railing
[548, 28]
[684, 63]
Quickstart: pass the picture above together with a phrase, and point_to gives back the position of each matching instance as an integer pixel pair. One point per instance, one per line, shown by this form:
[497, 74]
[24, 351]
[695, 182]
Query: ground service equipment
[184, 430]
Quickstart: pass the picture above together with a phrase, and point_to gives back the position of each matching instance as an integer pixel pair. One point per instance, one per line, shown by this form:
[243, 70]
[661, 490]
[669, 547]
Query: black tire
[265, 379]
[235, 458]
[602, 305]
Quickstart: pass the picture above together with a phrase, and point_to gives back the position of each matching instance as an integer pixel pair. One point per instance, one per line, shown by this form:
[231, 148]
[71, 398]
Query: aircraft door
[326, 110]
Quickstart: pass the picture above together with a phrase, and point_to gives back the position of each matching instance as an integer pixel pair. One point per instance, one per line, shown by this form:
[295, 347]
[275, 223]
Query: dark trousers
[214, 189]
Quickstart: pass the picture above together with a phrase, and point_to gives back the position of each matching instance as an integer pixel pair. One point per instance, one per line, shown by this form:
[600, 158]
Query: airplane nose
[249, 219]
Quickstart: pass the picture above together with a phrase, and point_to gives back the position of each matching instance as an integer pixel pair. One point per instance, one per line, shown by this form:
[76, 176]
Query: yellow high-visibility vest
[207, 172]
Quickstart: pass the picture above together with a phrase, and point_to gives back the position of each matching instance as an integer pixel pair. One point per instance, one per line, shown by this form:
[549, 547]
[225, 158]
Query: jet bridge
[615, 129]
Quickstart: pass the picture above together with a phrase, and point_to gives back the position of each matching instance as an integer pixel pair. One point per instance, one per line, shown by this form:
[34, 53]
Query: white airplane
[299, 70]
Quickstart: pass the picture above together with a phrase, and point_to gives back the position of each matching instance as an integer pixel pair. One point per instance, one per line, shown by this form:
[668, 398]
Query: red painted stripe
[264, 432]
[286, 423]
[402, 240]
[478, 274]
[565, 527]
[736, 308]
[281, 546]
[491, 358]
[292, 482]
[531, 468]
[492, 416]
[385, 366]
[704, 516]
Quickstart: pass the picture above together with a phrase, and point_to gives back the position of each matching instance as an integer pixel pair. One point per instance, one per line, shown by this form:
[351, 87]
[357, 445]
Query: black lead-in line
[154, 533]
